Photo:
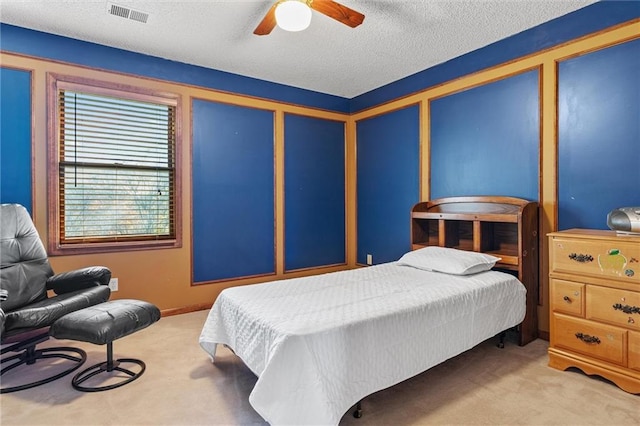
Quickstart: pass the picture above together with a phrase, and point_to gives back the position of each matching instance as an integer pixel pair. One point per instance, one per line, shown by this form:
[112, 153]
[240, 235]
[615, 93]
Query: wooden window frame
[57, 82]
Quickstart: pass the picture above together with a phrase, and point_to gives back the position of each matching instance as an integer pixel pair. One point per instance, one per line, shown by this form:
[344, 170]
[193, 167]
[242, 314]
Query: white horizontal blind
[117, 168]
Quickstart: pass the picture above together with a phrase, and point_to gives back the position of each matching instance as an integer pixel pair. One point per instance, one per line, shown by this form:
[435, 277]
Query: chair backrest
[24, 264]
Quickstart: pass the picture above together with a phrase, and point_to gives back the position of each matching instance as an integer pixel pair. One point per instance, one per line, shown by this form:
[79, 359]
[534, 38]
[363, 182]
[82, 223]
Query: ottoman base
[108, 366]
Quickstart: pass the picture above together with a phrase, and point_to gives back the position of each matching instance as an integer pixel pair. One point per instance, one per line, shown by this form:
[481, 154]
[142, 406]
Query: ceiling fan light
[293, 15]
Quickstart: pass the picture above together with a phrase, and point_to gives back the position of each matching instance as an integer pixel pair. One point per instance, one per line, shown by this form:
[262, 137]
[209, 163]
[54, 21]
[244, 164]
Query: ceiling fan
[329, 8]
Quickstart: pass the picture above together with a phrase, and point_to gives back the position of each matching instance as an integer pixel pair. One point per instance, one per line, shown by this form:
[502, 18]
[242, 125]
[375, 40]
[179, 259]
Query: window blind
[116, 168]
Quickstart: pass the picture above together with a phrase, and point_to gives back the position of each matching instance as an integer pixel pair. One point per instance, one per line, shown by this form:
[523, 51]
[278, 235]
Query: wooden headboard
[505, 227]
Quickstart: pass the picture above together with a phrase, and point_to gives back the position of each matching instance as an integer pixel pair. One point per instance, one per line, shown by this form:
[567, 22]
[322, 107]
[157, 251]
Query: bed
[320, 344]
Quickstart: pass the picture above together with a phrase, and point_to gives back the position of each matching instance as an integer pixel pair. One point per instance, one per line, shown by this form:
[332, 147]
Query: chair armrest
[79, 279]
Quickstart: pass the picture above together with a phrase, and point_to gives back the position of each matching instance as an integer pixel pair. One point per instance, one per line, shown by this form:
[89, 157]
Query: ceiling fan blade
[338, 12]
[268, 23]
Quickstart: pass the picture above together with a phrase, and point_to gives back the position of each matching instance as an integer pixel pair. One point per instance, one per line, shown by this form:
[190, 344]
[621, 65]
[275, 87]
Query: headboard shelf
[508, 259]
[505, 227]
[492, 217]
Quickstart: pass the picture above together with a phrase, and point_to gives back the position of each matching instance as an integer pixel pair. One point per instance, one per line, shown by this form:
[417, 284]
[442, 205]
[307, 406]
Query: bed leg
[501, 337]
[357, 413]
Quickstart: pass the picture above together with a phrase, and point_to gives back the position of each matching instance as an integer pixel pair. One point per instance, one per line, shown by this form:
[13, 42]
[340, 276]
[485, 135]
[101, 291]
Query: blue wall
[388, 170]
[233, 191]
[599, 135]
[15, 137]
[485, 140]
[314, 191]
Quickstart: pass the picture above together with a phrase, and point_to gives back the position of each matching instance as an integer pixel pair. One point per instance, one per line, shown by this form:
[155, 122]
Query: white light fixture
[293, 15]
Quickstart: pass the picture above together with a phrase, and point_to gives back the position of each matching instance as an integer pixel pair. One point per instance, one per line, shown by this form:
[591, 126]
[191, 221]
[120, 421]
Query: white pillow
[448, 260]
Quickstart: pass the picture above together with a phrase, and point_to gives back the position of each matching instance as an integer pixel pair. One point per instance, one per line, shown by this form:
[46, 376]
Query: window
[114, 153]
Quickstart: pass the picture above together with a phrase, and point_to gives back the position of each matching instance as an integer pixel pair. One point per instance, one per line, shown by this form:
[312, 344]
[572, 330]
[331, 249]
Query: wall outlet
[113, 284]
[369, 259]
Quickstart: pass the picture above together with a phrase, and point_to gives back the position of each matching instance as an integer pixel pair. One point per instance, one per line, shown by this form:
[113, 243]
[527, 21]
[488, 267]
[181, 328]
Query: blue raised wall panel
[15, 137]
[599, 135]
[233, 191]
[44, 45]
[485, 140]
[590, 19]
[314, 192]
[388, 170]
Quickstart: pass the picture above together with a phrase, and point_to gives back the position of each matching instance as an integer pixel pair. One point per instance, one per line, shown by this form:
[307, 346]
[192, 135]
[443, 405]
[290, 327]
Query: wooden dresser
[595, 304]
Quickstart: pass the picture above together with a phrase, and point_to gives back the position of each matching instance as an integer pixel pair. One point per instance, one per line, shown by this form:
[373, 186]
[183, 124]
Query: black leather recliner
[27, 307]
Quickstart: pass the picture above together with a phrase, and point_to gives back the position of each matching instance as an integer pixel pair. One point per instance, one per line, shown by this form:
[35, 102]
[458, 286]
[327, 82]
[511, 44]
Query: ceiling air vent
[139, 16]
[125, 12]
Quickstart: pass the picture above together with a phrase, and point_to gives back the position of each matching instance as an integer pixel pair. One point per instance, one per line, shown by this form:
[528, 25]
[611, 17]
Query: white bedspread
[320, 344]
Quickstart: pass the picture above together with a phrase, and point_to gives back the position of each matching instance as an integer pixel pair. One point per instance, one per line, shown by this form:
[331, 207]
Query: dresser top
[596, 234]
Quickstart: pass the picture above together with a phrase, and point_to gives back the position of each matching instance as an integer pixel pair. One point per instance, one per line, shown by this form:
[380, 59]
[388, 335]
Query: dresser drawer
[596, 340]
[634, 350]
[620, 307]
[567, 297]
[607, 258]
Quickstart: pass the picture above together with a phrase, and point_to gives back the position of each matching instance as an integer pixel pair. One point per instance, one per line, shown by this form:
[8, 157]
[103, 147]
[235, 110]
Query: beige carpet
[486, 385]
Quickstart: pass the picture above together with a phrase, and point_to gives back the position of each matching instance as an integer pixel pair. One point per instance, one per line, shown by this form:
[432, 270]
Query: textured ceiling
[397, 38]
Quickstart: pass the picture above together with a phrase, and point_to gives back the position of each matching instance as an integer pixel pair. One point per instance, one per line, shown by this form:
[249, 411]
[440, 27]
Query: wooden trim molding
[186, 309]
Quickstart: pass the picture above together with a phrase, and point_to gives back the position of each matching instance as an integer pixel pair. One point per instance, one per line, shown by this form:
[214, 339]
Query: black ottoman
[102, 324]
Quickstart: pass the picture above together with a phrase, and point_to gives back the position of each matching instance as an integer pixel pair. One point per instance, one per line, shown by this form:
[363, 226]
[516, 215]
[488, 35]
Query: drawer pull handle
[588, 339]
[631, 321]
[582, 258]
[626, 308]
[567, 299]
